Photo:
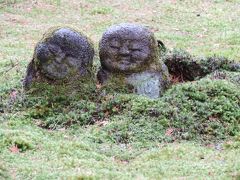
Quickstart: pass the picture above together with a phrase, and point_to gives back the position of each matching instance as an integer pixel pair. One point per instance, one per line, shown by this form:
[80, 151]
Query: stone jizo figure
[62, 54]
[130, 52]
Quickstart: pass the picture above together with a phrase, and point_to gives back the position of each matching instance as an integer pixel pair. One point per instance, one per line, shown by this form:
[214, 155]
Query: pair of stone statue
[128, 53]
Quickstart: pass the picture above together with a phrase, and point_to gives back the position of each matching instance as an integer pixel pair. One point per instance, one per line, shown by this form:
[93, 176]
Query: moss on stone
[62, 54]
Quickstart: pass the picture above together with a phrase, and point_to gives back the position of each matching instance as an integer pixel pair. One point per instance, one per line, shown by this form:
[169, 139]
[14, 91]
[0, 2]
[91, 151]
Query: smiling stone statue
[130, 52]
[62, 54]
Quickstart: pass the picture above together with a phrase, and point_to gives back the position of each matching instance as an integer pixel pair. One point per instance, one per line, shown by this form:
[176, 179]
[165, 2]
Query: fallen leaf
[169, 131]
[176, 79]
[13, 95]
[98, 86]
[102, 123]
[14, 149]
[106, 113]
[115, 109]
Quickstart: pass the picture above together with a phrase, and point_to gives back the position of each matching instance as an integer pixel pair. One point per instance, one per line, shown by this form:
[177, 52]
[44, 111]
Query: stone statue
[130, 52]
[62, 54]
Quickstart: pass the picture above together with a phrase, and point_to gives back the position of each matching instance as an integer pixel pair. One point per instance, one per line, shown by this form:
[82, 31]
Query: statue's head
[62, 52]
[127, 48]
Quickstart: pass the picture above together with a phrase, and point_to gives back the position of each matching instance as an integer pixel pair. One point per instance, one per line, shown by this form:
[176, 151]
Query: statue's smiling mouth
[125, 58]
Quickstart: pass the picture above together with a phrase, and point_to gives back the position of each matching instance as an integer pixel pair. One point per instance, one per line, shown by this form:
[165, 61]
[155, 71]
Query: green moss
[205, 110]
[3, 172]
[234, 143]
[116, 83]
[22, 140]
[82, 151]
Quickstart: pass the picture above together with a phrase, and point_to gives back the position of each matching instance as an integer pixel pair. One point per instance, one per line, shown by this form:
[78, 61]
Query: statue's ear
[161, 46]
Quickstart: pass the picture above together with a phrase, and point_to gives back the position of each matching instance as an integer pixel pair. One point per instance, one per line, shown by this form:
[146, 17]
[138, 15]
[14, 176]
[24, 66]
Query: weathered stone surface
[62, 53]
[131, 51]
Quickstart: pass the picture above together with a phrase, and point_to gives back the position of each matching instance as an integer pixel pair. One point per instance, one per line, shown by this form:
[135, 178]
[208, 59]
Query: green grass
[72, 153]
[192, 132]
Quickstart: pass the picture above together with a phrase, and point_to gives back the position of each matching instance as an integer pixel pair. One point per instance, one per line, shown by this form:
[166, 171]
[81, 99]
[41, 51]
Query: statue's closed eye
[135, 49]
[114, 46]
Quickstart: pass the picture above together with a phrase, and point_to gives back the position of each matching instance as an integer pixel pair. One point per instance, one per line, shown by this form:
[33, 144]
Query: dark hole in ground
[184, 67]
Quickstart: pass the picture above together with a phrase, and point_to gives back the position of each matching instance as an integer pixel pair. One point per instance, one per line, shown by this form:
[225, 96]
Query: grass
[72, 154]
[88, 136]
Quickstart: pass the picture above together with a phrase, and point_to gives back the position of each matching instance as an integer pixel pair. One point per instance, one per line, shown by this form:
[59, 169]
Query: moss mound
[204, 110]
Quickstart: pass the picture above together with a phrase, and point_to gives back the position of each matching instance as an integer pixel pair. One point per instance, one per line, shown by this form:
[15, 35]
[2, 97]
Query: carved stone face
[63, 53]
[54, 63]
[130, 56]
[126, 48]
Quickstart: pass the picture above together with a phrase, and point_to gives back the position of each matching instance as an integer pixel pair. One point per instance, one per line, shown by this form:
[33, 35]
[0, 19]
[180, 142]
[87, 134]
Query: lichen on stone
[62, 55]
[131, 51]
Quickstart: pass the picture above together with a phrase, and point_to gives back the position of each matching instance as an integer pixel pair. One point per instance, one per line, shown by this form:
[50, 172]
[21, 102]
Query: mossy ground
[74, 154]
[89, 132]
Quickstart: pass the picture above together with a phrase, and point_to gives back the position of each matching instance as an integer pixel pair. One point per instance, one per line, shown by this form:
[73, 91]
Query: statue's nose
[124, 51]
[59, 60]
[60, 57]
